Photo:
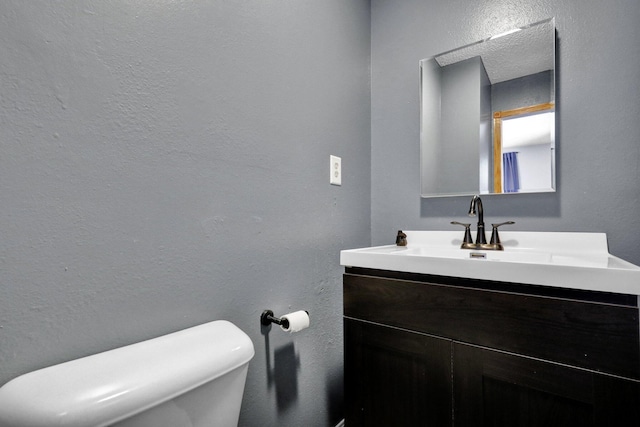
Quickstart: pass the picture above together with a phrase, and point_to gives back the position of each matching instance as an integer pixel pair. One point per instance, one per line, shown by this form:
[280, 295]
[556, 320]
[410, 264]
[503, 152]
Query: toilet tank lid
[104, 388]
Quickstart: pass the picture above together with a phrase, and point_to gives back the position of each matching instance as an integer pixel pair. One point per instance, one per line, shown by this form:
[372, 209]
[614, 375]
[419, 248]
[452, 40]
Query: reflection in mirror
[523, 148]
[475, 101]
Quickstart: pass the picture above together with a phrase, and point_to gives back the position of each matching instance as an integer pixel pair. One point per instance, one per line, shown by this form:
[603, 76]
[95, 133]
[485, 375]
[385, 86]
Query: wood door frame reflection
[498, 116]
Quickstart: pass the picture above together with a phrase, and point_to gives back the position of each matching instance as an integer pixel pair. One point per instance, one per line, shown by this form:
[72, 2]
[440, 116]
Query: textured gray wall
[164, 164]
[598, 98]
[522, 92]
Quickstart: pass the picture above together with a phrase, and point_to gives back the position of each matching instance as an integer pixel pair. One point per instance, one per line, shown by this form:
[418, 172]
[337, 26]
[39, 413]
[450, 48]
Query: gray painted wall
[165, 164]
[485, 151]
[522, 92]
[598, 95]
[460, 103]
[431, 121]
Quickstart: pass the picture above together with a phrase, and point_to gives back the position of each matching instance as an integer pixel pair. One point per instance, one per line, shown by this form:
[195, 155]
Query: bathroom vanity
[546, 333]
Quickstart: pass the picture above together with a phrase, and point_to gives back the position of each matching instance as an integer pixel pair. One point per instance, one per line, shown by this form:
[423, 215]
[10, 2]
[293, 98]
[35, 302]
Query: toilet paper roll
[298, 320]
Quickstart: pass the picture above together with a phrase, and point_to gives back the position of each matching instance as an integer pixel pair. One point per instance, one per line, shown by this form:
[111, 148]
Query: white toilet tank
[191, 378]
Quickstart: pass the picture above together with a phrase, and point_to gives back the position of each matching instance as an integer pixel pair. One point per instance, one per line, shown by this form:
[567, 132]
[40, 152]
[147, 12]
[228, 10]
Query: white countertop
[565, 260]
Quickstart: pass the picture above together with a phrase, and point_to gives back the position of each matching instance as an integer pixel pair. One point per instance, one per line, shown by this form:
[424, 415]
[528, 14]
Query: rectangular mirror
[487, 115]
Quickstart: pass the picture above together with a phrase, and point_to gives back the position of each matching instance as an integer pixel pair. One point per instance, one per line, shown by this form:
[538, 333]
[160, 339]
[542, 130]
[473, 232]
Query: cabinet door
[501, 389]
[394, 377]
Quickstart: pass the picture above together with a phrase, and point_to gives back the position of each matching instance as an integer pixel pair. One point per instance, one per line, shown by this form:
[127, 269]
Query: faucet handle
[495, 238]
[467, 231]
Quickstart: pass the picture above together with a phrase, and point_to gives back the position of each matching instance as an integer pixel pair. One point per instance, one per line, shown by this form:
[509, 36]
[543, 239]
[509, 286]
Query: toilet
[190, 378]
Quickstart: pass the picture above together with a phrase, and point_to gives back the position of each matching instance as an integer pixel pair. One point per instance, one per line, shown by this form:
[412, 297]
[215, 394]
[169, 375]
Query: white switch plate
[335, 170]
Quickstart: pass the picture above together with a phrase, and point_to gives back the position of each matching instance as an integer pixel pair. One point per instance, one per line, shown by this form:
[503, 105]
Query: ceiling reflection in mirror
[487, 115]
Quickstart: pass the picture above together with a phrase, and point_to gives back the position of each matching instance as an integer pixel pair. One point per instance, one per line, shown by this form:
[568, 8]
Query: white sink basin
[439, 252]
[568, 260]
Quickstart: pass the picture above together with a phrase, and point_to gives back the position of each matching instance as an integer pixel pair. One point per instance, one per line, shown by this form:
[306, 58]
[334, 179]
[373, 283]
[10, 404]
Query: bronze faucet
[481, 240]
[476, 202]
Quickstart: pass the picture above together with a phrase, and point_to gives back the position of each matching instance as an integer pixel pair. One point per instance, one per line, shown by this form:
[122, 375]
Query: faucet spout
[476, 209]
[481, 241]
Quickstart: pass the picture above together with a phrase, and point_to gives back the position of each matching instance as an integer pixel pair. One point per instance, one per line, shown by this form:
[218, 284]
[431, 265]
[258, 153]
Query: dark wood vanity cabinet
[499, 389]
[396, 377]
[438, 351]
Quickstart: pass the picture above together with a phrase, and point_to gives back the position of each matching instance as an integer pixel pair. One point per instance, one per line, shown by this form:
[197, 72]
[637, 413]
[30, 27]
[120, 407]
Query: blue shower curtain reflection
[510, 168]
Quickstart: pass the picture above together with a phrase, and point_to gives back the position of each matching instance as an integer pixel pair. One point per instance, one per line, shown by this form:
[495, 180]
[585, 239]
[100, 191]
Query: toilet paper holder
[267, 318]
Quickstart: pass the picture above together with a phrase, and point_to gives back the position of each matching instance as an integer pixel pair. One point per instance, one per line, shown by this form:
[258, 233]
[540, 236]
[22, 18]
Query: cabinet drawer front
[592, 335]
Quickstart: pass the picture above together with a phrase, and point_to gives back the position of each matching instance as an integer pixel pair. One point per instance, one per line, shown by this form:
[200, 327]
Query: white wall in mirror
[532, 140]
